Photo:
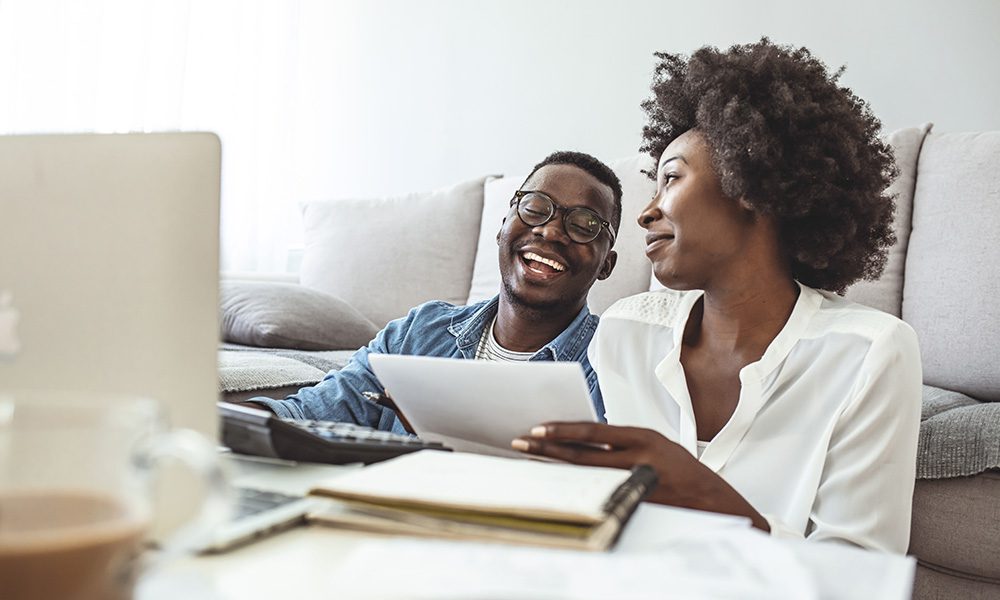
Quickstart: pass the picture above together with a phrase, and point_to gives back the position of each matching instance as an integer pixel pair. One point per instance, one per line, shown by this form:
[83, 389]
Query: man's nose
[553, 230]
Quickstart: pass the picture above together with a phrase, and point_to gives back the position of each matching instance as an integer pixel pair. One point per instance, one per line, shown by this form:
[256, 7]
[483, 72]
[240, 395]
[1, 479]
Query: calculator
[258, 432]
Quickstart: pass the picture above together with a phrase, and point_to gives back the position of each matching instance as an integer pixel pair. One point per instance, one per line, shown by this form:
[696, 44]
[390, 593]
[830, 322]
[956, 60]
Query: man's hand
[384, 399]
[683, 480]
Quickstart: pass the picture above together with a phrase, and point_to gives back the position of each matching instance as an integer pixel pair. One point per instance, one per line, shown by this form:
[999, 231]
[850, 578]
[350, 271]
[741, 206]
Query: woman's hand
[683, 480]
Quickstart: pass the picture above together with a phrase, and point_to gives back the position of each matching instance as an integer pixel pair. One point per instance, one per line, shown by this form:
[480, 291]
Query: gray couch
[941, 278]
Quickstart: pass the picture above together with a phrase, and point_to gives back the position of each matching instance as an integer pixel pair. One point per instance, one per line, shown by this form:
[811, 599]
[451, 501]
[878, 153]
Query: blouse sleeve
[866, 489]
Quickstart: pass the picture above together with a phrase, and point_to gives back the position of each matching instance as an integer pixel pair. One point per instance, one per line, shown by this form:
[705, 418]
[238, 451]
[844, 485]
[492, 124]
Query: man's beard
[534, 308]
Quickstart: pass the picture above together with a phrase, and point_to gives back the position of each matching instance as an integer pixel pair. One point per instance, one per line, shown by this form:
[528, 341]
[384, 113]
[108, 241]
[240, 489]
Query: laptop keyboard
[250, 501]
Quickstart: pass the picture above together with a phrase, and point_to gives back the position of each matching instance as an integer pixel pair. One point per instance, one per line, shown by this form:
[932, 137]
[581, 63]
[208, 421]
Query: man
[555, 242]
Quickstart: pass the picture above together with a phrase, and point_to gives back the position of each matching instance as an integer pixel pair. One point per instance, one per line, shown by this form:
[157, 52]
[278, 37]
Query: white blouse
[823, 440]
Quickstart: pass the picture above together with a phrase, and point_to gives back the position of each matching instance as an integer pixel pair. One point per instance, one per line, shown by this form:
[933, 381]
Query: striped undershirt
[490, 349]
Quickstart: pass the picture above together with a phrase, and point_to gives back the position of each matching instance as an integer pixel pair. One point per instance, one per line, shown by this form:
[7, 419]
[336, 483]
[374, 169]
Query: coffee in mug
[75, 493]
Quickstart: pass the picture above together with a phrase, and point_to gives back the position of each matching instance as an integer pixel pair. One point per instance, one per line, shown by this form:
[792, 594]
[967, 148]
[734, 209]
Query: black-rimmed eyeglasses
[582, 225]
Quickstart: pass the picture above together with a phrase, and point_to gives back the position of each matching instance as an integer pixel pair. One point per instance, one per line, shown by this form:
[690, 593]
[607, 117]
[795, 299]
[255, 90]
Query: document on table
[480, 406]
[739, 566]
[722, 563]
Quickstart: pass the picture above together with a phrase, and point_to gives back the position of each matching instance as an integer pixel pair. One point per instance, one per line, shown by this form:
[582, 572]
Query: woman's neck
[742, 319]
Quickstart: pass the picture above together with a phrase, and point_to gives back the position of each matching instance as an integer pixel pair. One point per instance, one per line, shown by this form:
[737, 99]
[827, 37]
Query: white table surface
[298, 563]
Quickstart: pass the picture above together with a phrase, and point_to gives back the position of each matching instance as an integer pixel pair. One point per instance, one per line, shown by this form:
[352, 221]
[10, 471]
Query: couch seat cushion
[245, 368]
[956, 525]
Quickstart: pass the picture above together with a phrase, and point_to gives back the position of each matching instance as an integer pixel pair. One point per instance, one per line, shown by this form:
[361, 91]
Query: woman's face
[695, 234]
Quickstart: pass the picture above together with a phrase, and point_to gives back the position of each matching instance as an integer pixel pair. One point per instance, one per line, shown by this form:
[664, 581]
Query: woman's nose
[651, 213]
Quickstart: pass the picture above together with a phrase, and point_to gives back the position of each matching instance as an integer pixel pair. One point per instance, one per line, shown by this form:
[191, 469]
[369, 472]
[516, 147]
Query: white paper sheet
[740, 565]
[480, 406]
[664, 552]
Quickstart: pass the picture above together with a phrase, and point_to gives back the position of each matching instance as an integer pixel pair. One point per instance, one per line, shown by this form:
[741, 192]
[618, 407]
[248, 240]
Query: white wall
[434, 92]
[331, 98]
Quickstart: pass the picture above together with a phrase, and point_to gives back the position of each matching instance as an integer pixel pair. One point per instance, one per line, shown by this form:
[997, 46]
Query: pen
[384, 400]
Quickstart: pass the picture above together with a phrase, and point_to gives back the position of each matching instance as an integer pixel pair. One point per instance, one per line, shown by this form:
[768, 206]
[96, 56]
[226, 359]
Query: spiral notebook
[488, 498]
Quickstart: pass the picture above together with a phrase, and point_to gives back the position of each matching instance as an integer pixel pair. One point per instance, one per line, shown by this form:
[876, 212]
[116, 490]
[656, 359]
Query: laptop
[109, 271]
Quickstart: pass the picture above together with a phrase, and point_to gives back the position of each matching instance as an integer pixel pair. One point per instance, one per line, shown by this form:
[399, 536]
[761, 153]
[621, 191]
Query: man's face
[541, 267]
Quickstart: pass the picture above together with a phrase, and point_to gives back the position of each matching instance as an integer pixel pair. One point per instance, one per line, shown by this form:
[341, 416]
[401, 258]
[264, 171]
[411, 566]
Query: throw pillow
[287, 315]
[886, 294]
[951, 287]
[387, 255]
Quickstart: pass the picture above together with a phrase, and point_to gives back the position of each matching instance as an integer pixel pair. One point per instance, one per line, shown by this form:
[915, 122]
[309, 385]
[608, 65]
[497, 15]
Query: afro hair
[792, 143]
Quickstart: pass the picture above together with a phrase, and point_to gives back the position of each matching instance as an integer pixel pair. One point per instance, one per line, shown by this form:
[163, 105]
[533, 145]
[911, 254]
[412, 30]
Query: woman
[749, 390]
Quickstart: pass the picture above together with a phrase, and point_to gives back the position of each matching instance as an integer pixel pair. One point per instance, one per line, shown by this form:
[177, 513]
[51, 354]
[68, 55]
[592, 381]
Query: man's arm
[341, 394]
[595, 393]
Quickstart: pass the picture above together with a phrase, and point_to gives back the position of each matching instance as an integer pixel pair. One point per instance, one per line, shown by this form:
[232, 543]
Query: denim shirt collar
[569, 345]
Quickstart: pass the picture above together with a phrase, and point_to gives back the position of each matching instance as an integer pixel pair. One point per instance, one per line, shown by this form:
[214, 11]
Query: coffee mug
[77, 474]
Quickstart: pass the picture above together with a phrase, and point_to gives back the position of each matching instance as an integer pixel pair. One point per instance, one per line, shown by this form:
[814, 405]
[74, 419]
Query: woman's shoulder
[661, 307]
[837, 314]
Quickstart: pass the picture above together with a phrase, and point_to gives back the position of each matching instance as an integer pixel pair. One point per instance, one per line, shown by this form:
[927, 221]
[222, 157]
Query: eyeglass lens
[581, 224]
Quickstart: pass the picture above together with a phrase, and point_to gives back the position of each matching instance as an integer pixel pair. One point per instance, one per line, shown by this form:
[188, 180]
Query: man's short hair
[595, 167]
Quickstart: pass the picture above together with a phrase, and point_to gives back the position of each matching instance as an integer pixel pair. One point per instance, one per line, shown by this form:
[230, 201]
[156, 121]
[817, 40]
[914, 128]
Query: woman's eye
[666, 179]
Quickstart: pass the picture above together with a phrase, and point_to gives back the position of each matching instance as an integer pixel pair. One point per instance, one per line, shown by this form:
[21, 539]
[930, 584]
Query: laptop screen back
[109, 267]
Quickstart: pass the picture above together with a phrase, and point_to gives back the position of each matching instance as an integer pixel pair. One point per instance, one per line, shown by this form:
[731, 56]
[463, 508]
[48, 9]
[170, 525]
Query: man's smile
[540, 264]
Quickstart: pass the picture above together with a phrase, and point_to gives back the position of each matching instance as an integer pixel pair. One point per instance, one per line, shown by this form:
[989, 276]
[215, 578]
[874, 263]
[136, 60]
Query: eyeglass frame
[556, 209]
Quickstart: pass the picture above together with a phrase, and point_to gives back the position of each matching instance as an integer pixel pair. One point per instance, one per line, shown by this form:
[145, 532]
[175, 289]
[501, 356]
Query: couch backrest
[886, 294]
[952, 276]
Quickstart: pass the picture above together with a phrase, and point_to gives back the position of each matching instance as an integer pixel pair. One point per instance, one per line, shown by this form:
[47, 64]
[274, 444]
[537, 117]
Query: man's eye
[534, 211]
[584, 224]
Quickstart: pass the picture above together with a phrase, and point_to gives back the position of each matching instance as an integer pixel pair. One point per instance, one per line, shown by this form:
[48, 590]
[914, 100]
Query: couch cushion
[497, 194]
[952, 276]
[631, 274]
[286, 315]
[886, 294]
[386, 255]
[956, 525]
[959, 436]
[936, 583]
[246, 368]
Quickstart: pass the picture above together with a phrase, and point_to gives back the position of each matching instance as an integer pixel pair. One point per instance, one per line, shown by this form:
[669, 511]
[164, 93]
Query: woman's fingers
[599, 434]
[572, 452]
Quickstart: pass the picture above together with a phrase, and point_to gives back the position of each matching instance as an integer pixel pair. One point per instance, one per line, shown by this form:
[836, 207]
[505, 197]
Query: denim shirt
[431, 329]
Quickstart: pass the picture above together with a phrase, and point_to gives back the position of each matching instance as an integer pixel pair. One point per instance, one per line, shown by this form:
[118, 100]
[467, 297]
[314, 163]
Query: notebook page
[486, 483]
